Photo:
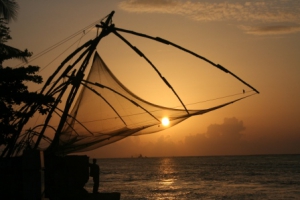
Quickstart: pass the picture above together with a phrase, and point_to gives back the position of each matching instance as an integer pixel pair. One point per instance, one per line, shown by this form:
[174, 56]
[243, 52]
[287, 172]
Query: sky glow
[257, 40]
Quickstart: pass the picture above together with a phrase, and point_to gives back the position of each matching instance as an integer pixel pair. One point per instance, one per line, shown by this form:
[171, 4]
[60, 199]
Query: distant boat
[141, 156]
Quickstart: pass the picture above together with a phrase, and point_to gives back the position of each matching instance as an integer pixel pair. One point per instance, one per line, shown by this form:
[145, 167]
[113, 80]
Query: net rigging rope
[38, 55]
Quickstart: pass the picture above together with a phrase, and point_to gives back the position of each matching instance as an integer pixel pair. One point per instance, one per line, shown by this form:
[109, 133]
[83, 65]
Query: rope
[61, 42]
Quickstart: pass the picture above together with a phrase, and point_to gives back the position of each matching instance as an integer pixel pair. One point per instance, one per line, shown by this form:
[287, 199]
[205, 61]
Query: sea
[208, 177]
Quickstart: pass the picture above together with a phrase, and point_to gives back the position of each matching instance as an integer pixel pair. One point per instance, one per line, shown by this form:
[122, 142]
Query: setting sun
[165, 121]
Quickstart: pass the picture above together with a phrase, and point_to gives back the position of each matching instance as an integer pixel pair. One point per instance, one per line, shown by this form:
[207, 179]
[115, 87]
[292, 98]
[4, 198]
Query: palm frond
[8, 52]
[9, 10]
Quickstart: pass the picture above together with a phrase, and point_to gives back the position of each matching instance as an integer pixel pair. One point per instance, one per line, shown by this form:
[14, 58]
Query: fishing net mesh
[106, 111]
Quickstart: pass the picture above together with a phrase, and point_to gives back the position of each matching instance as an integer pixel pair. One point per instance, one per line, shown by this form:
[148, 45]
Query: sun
[165, 121]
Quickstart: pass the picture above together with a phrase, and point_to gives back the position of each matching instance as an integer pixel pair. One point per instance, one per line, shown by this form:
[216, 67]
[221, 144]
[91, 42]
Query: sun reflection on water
[167, 173]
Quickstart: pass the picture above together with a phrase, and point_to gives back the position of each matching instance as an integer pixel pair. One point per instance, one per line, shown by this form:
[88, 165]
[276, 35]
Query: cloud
[219, 139]
[226, 138]
[149, 6]
[271, 29]
[266, 12]
[229, 130]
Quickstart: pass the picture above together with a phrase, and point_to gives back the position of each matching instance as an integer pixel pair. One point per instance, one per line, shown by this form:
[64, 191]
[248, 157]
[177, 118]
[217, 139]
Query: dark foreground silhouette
[21, 178]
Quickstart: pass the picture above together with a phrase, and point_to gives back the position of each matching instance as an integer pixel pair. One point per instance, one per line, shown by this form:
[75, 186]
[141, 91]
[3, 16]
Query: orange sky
[257, 40]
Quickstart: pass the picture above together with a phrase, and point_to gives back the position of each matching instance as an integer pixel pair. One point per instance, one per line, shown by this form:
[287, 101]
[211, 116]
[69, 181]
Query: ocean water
[216, 177]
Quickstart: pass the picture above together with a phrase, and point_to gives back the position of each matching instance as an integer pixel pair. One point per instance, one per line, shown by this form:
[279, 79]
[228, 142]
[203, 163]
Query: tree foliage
[8, 9]
[13, 92]
[6, 51]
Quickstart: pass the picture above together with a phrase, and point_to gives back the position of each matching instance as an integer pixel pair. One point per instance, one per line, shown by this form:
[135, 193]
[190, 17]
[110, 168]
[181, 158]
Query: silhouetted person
[94, 172]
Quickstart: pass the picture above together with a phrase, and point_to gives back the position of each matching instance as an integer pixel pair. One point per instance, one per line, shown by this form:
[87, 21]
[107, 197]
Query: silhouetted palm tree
[7, 52]
[8, 9]
[8, 12]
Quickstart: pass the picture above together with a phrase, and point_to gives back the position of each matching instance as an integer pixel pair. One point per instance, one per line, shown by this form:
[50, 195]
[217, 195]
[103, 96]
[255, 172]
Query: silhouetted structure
[97, 110]
[65, 177]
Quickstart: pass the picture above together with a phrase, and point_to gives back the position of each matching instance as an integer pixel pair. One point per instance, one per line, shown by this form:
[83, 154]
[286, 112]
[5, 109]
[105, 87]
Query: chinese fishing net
[106, 111]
